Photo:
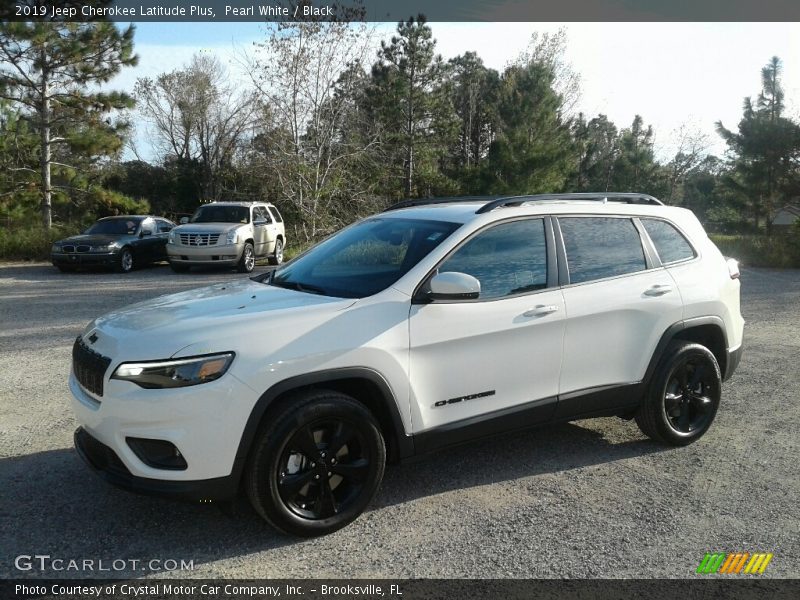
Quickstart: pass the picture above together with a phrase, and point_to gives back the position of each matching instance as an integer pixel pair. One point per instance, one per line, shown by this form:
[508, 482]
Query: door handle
[658, 290]
[540, 310]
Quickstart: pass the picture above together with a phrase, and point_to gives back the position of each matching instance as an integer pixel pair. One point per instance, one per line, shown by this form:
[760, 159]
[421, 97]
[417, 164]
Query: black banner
[743, 588]
[393, 10]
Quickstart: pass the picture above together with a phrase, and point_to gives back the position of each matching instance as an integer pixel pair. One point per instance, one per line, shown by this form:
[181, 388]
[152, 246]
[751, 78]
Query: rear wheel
[277, 256]
[316, 465]
[683, 396]
[248, 260]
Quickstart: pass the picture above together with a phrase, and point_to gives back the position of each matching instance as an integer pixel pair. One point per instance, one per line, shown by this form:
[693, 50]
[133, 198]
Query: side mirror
[184, 220]
[145, 232]
[453, 286]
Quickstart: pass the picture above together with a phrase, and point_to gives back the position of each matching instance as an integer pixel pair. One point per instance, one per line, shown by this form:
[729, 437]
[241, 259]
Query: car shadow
[52, 504]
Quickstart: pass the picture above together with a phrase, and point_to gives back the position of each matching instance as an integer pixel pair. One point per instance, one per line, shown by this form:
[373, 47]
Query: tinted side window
[510, 258]
[669, 242]
[163, 226]
[276, 214]
[599, 247]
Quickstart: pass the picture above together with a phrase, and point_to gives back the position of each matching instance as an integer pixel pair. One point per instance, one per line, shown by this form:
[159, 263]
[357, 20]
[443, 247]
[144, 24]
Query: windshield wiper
[300, 287]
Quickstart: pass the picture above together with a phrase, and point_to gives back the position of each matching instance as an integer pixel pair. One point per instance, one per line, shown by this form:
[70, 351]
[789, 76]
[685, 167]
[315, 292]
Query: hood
[175, 321]
[207, 227]
[92, 239]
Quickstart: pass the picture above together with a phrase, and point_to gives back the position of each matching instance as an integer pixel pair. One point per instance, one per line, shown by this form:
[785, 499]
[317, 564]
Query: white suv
[432, 323]
[228, 233]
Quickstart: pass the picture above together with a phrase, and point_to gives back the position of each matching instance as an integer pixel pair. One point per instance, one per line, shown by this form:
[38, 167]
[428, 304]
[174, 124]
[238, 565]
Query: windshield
[363, 259]
[221, 214]
[121, 226]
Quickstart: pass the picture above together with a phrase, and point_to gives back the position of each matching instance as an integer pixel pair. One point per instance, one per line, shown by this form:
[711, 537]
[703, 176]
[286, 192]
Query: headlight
[106, 248]
[180, 372]
[233, 236]
[55, 248]
[171, 237]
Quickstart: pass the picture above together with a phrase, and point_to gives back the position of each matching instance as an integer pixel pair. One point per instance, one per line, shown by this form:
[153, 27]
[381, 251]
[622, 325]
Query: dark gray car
[120, 242]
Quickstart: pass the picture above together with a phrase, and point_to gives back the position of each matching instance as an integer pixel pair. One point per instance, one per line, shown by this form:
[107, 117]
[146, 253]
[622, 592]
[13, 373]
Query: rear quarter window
[669, 242]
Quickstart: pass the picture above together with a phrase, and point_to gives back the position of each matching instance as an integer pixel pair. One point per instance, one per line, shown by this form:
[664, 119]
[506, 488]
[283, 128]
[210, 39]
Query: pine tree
[765, 151]
[51, 69]
[410, 99]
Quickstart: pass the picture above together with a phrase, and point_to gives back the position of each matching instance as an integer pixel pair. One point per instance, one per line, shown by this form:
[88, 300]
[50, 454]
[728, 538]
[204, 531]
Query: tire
[277, 256]
[294, 450]
[248, 260]
[683, 395]
[179, 268]
[125, 262]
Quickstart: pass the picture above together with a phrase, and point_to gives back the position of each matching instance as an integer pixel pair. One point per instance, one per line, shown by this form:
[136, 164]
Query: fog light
[159, 454]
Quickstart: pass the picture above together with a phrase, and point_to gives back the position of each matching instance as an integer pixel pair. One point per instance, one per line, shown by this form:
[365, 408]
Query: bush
[778, 251]
[31, 242]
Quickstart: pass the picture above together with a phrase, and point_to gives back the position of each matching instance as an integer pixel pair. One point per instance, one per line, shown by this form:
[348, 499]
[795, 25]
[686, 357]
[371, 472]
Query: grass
[32, 242]
[779, 251]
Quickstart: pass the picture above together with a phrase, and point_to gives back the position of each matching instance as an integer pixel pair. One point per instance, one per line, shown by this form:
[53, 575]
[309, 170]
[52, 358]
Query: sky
[673, 74]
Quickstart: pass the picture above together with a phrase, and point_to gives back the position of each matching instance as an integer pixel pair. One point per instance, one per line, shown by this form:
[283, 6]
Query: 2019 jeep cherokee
[432, 323]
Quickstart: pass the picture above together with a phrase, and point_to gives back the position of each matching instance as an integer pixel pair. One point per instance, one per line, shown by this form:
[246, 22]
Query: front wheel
[125, 261]
[683, 396]
[316, 464]
[277, 256]
[248, 260]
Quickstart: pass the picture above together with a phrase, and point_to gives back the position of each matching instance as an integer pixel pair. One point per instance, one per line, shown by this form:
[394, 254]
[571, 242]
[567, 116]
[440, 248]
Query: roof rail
[429, 201]
[626, 197]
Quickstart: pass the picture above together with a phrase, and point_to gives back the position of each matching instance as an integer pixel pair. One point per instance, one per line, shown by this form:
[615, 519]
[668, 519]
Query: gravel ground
[586, 499]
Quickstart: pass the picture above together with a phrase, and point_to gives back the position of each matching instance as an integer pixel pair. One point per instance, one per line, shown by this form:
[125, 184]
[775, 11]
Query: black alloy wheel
[683, 395]
[316, 463]
[323, 469]
[688, 396]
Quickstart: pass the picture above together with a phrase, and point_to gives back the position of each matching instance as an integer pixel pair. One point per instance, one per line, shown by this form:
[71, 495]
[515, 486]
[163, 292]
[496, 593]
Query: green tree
[51, 69]
[635, 168]
[474, 89]
[765, 150]
[597, 147]
[533, 148]
[410, 99]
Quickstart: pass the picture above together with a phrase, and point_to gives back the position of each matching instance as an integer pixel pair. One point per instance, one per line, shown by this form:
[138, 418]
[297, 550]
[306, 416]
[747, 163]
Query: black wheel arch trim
[405, 444]
[676, 328]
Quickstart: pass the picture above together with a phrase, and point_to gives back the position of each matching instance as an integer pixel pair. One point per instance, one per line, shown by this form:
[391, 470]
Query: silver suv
[228, 233]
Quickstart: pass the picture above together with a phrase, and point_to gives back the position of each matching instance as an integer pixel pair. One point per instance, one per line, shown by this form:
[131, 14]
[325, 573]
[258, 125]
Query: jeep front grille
[199, 239]
[89, 366]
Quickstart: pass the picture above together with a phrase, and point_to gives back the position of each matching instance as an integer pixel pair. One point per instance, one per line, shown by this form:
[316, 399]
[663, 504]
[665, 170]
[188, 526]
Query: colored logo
[734, 563]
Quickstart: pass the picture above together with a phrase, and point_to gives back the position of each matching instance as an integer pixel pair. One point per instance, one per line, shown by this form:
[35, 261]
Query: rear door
[618, 304]
[473, 360]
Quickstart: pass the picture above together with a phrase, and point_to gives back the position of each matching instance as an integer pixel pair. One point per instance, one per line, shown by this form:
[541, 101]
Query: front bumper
[205, 423]
[83, 258]
[107, 465]
[225, 254]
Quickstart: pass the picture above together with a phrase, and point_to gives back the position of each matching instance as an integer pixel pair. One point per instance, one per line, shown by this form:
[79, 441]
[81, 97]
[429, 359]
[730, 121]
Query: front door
[490, 357]
[261, 222]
